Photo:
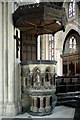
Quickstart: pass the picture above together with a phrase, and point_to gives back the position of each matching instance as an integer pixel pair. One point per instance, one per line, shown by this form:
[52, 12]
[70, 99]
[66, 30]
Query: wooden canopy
[39, 18]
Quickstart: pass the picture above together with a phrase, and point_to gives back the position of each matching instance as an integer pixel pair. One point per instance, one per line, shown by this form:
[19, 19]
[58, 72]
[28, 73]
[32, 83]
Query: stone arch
[69, 34]
[70, 53]
[48, 74]
[36, 77]
[35, 69]
[48, 68]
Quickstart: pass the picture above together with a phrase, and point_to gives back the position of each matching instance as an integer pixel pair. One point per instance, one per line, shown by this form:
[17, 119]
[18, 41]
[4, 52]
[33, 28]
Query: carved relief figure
[36, 77]
[48, 75]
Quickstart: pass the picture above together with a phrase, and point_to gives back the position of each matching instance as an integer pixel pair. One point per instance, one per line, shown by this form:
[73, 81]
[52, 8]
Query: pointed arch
[72, 32]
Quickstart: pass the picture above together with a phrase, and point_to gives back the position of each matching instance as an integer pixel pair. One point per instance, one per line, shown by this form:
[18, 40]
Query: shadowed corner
[17, 118]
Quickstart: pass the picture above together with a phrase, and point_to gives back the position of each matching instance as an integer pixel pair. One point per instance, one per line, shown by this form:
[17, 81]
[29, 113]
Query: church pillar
[5, 53]
[11, 108]
[47, 47]
[1, 63]
[17, 75]
[38, 48]
[43, 47]
[57, 52]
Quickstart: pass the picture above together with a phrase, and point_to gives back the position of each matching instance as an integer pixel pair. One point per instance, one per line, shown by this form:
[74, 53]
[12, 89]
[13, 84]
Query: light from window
[51, 47]
[72, 8]
[72, 44]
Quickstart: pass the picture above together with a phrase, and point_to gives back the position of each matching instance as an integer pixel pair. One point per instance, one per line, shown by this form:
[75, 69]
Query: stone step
[17, 119]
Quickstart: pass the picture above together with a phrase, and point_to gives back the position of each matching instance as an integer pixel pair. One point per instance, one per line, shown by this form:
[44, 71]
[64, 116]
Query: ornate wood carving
[71, 63]
[39, 18]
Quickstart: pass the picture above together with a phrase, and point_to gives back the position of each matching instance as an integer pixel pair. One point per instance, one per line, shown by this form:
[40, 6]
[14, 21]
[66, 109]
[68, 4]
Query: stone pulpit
[39, 84]
[38, 81]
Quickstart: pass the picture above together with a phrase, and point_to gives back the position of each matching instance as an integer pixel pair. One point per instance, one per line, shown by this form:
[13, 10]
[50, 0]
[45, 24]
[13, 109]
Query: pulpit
[39, 84]
[38, 81]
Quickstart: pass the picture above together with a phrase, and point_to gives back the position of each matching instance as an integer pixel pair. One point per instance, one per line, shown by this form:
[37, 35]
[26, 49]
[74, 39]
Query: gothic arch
[71, 53]
[70, 33]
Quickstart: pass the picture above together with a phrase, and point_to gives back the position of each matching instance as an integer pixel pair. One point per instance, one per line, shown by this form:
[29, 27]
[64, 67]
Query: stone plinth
[39, 84]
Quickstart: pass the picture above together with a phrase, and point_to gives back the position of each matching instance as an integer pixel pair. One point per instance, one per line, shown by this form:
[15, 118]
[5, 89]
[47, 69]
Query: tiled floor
[58, 112]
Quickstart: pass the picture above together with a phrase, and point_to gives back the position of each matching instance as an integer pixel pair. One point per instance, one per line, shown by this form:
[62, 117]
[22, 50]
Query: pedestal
[11, 109]
[1, 109]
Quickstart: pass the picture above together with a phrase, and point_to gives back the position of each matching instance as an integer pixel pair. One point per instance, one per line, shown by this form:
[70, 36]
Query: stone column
[35, 105]
[41, 109]
[58, 47]
[24, 84]
[43, 47]
[12, 107]
[48, 107]
[5, 60]
[1, 62]
[38, 48]
[32, 104]
[47, 47]
[17, 75]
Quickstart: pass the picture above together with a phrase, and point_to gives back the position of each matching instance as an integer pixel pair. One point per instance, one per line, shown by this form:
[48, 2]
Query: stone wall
[9, 68]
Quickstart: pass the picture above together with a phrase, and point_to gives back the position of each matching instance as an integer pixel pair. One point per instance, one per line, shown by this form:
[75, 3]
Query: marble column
[41, 109]
[48, 107]
[35, 105]
[1, 63]
[12, 106]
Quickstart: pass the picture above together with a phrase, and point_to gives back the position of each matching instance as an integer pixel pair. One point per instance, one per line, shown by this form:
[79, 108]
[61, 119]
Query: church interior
[40, 66]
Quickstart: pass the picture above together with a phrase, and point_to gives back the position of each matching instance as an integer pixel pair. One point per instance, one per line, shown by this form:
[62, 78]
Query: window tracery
[51, 47]
[72, 44]
[71, 8]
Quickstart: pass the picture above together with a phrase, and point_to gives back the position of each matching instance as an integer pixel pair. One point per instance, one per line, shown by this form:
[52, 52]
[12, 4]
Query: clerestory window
[71, 8]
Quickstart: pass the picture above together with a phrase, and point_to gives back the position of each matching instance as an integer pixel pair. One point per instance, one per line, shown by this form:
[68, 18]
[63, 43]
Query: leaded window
[72, 44]
[72, 8]
[51, 47]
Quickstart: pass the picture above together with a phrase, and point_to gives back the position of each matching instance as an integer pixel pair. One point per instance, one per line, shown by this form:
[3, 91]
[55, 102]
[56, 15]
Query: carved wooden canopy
[39, 18]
